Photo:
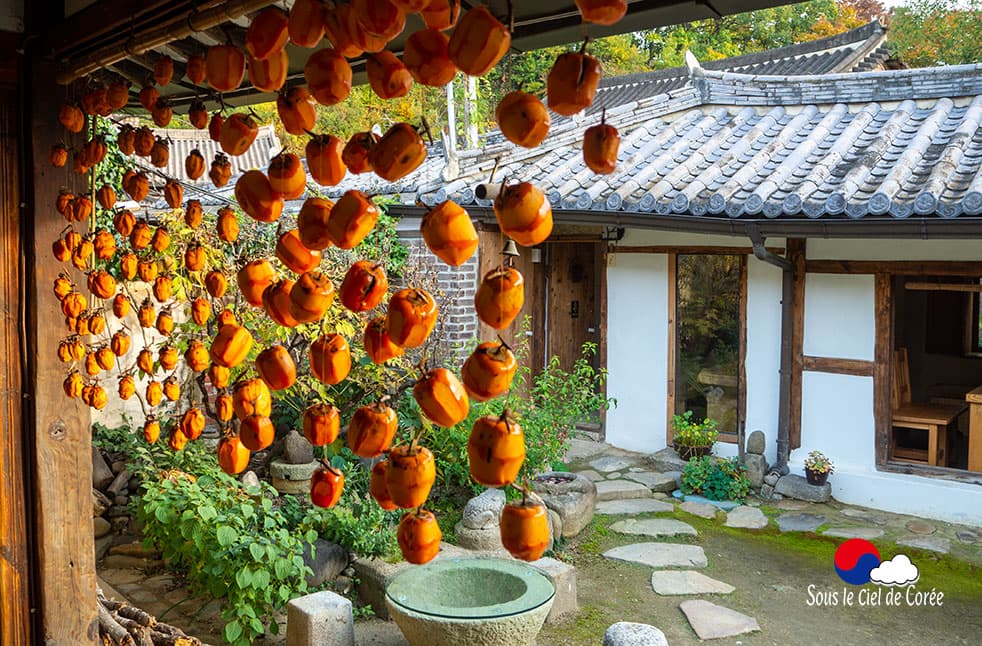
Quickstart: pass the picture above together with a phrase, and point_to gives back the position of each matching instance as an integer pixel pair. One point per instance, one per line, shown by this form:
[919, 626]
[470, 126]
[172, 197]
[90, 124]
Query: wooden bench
[933, 418]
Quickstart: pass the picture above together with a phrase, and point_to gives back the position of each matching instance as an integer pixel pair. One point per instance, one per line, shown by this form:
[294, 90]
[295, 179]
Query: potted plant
[817, 468]
[693, 439]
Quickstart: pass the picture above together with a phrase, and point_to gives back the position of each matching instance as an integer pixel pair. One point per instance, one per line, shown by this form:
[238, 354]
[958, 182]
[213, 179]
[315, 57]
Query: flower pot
[689, 452]
[817, 478]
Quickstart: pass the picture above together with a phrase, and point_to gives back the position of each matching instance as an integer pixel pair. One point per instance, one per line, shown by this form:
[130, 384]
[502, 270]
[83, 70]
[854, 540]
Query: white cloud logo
[895, 572]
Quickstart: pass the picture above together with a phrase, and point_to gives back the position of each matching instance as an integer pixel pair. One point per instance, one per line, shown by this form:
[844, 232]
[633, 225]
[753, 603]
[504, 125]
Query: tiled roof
[892, 143]
[860, 49]
[183, 141]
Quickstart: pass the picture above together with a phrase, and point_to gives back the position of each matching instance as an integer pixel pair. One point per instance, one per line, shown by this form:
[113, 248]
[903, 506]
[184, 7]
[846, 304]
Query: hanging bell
[510, 249]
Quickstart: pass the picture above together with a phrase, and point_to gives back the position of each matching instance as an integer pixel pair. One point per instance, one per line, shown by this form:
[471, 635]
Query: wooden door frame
[672, 350]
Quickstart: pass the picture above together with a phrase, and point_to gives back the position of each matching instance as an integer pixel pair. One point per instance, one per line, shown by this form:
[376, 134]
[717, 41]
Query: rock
[563, 577]
[123, 561]
[323, 618]
[591, 475]
[792, 505]
[120, 484]
[102, 546]
[715, 622]
[654, 527]
[970, 536]
[633, 506]
[117, 466]
[627, 633]
[555, 527]
[799, 522]
[296, 449]
[678, 582]
[121, 501]
[100, 503]
[766, 491]
[746, 517]
[249, 479]
[795, 486]
[756, 466]
[756, 443]
[621, 490]
[864, 515]
[484, 510]
[931, 543]
[121, 523]
[327, 562]
[479, 540]
[918, 526]
[725, 505]
[580, 449]
[117, 512]
[665, 460]
[570, 495]
[291, 478]
[133, 485]
[609, 463]
[869, 533]
[102, 475]
[665, 482]
[660, 554]
[135, 550]
[772, 478]
[701, 509]
[101, 526]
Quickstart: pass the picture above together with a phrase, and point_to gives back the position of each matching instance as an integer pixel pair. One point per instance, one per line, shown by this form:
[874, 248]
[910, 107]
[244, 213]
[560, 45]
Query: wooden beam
[63, 480]
[855, 367]
[691, 249]
[797, 256]
[15, 563]
[926, 470]
[902, 267]
[672, 342]
[942, 287]
[883, 367]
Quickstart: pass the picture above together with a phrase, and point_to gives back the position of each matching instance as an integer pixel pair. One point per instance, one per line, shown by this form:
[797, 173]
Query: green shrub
[689, 433]
[715, 478]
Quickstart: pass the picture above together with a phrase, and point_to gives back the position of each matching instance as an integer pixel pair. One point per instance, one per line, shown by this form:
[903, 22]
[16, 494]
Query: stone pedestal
[291, 478]
[570, 495]
[795, 486]
[563, 577]
[321, 619]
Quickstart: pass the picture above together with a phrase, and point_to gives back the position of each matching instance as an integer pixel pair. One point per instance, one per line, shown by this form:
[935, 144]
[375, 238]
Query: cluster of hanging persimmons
[402, 479]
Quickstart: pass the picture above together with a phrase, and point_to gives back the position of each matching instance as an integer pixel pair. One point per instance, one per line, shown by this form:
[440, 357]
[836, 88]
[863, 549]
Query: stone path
[632, 507]
[621, 490]
[716, 622]
[799, 522]
[679, 582]
[654, 527]
[660, 555]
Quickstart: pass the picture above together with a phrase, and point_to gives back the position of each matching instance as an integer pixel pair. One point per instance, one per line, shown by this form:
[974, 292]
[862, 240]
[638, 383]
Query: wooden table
[974, 399]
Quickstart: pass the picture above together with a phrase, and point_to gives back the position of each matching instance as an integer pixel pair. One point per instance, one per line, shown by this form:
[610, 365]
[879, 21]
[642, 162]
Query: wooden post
[796, 254]
[673, 260]
[63, 477]
[15, 602]
[883, 366]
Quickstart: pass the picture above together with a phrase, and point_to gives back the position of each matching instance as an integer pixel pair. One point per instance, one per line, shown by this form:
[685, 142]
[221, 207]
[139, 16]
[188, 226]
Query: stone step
[664, 482]
[680, 582]
[621, 490]
[633, 506]
[610, 463]
[746, 517]
[654, 527]
[711, 621]
[660, 555]
[799, 522]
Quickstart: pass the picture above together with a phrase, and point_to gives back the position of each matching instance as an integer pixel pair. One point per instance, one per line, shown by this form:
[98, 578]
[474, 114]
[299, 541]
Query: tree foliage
[937, 32]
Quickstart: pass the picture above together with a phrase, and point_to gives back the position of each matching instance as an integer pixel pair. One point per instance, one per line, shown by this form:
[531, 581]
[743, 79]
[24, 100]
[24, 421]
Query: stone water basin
[472, 601]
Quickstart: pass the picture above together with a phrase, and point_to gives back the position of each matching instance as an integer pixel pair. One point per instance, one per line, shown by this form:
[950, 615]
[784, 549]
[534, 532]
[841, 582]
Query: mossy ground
[772, 573]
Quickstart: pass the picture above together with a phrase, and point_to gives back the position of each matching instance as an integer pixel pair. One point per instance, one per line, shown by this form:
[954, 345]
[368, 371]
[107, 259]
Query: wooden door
[575, 272]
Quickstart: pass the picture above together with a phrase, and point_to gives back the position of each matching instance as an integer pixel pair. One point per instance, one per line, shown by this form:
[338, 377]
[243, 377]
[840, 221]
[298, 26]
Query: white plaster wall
[763, 351]
[845, 249]
[637, 339]
[839, 316]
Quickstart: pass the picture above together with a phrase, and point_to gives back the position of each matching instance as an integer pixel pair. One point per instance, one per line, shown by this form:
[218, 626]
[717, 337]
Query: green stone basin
[472, 601]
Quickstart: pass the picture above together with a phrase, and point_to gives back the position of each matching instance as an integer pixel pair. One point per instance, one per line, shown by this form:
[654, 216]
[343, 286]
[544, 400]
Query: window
[709, 324]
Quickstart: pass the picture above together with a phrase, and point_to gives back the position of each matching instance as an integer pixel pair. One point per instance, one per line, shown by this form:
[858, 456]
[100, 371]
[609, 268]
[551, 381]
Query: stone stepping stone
[678, 582]
[970, 536]
[655, 481]
[792, 505]
[869, 533]
[654, 527]
[918, 526]
[716, 622]
[609, 463]
[701, 509]
[725, 505]
[660, 555]
[621, 490]
[799, 522]
[633, 506]
[745, 517]
[591, 475]
[580, 449]
[864, 515]
[931, 543]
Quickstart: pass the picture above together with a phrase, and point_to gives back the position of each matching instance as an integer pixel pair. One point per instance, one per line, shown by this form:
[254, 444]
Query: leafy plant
[819, 463]
[690, 433]
[715, 478]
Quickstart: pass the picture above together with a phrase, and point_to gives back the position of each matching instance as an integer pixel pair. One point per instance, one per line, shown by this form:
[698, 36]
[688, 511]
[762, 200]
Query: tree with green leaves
[924, 33]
